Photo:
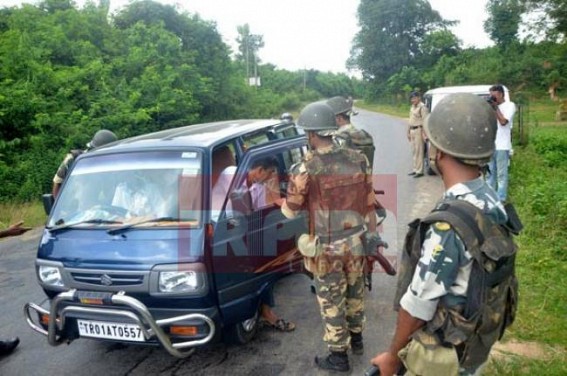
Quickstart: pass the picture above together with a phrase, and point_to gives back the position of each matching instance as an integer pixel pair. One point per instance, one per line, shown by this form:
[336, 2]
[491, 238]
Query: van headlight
[178, 281]
[50, 275]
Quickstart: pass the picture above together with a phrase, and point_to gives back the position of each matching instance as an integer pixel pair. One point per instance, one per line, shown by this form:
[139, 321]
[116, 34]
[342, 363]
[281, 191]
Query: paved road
[270, 353]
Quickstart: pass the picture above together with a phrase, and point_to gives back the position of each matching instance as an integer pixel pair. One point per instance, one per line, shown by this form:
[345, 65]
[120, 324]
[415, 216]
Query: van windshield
[132, 188]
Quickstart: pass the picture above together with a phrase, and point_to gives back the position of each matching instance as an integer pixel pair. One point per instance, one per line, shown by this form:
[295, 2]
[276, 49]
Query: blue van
[137, 248]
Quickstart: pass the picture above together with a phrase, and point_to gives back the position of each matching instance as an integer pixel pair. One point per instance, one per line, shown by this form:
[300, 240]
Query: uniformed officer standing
[333, 184]
[417, 114]
[460, 293]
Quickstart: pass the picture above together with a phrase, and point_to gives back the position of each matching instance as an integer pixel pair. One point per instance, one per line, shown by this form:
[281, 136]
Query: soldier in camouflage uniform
[462, 130]
[347, 134]
[329, 184]
[100, 138]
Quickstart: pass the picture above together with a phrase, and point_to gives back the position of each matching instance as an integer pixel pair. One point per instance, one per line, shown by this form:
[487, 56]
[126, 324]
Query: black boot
[356, 343]
[335, 361]
[7, 346]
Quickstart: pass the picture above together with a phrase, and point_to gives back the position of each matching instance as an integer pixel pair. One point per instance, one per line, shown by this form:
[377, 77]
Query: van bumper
[74, 304]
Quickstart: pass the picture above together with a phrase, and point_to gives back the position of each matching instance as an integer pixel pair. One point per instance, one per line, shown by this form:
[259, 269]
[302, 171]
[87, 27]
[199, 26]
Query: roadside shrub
[551, 144]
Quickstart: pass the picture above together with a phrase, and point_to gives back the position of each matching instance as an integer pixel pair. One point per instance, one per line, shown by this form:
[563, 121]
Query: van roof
[199, 135]
[474, 89]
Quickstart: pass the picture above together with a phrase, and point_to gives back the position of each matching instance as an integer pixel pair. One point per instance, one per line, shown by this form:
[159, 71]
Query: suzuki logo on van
[106, 280]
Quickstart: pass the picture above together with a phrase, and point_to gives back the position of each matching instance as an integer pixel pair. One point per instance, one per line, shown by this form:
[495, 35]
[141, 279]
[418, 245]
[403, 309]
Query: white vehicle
[433, 96]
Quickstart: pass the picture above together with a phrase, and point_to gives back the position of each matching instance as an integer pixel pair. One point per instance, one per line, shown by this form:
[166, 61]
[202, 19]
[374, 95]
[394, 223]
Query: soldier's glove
[372, 241]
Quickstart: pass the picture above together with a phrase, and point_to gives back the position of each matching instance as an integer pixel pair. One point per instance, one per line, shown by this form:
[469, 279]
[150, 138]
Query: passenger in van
[259, 189]
[140, 195]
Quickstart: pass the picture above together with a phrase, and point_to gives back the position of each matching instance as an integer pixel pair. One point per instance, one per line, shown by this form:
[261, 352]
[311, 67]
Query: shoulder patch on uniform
[442, 226]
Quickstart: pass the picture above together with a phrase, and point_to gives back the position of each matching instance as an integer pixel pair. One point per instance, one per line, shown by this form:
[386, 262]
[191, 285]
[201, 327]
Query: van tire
[243, 332]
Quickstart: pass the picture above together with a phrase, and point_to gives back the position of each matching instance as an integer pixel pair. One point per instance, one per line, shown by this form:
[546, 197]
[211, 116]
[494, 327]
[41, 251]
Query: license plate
[110, 330]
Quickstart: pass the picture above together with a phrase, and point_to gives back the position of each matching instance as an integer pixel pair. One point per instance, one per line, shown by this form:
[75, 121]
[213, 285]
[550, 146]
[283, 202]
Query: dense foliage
[406, 45]
[67, 72]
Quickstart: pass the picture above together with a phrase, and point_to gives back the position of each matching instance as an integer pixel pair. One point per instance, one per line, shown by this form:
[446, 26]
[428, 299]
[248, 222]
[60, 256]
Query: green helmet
[340, 105]
[463, 125]
[317, 117]
[102, 137]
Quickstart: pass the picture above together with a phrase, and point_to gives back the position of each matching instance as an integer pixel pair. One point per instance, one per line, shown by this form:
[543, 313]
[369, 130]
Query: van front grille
[108, 279]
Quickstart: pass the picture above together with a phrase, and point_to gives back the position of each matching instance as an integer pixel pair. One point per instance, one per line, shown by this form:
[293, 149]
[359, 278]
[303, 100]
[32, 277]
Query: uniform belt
[327, 239]
[415, 127]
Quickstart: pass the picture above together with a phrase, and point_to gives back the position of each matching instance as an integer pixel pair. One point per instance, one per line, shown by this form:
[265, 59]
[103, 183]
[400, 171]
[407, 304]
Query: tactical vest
[492, 292]
[337, 192]
[359, 139]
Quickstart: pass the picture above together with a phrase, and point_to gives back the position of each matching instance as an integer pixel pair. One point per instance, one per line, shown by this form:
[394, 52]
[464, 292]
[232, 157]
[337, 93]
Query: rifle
[371, 247]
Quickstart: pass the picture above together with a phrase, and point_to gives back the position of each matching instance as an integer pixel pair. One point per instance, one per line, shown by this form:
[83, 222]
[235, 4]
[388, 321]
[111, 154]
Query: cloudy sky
[312, 34]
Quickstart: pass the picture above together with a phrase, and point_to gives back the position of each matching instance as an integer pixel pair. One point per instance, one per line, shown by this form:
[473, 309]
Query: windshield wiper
[127, 226]
[88, 221]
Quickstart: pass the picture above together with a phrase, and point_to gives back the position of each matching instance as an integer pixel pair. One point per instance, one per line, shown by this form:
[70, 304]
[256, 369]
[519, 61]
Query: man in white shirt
[498, 175]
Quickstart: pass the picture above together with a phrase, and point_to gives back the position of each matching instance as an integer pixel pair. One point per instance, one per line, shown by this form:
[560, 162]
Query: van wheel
[243, 332]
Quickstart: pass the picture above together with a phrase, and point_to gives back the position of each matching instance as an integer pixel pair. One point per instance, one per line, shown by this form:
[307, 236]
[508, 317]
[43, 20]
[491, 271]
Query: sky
[309, 34]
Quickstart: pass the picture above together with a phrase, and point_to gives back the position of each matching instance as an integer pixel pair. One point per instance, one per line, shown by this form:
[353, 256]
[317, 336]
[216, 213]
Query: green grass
[542, 111]
[399, 111]
[31, 213]
[538, 189]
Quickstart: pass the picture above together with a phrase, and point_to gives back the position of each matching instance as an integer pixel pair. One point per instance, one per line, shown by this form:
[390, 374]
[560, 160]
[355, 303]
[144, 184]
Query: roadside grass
[538, 189]
[30, 212]
[399, 111]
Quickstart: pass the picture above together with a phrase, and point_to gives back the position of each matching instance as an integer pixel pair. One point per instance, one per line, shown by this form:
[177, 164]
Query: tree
[391, 36]
[503, 22]
[550, 17]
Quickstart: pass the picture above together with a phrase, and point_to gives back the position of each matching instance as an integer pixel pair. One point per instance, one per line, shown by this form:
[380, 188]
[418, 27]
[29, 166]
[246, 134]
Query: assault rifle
[372, 245]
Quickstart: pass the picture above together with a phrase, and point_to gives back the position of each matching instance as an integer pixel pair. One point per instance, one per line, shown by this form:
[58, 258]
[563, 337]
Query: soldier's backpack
[493, 289]
[361, 140]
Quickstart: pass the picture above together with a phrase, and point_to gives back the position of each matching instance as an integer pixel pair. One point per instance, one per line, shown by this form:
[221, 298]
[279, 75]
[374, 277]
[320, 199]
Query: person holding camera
[498, 166]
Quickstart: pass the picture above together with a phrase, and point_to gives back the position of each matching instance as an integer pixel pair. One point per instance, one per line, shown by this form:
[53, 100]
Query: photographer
[498, 166]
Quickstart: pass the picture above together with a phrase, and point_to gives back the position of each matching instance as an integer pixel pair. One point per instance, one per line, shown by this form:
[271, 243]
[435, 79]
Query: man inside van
[255, 192]
[498, 166]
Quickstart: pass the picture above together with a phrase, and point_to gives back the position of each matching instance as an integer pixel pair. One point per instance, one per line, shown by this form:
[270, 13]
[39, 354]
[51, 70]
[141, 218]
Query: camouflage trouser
[340, 293]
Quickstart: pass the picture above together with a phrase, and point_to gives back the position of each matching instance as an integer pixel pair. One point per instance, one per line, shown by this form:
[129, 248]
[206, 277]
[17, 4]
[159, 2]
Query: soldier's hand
[300, 181]
[387, 363]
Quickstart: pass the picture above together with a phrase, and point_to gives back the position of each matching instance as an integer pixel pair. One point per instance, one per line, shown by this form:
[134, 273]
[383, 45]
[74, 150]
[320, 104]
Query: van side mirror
[48, 201]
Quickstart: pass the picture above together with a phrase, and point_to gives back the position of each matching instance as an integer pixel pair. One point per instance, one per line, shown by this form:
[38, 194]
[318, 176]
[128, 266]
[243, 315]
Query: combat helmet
[102, 137]
[463, 125]
[317, 117]
[340, 105]
[287, 117]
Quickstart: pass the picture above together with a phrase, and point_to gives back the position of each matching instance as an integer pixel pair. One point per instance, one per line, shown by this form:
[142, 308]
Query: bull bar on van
[139, 314]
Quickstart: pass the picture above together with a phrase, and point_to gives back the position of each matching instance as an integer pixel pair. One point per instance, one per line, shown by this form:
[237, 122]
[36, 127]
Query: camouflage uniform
[350, 136]
[442, 274]
[338, 272]
[65, 165]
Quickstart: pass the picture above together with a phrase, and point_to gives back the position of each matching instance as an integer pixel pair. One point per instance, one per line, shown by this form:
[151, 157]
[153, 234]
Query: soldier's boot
[335, 361]
[356, 343]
